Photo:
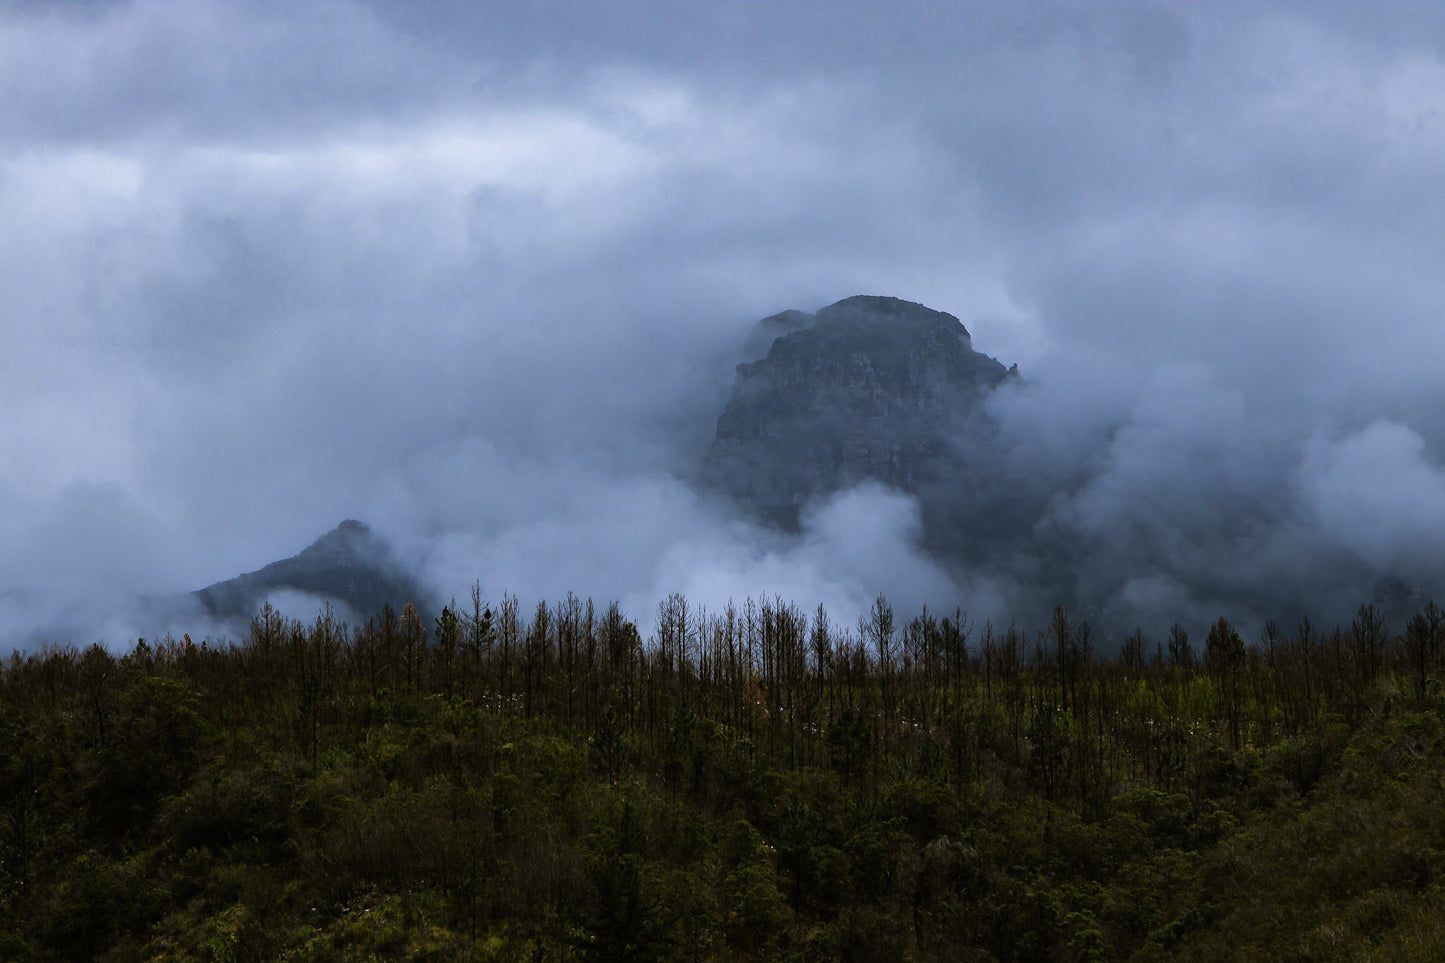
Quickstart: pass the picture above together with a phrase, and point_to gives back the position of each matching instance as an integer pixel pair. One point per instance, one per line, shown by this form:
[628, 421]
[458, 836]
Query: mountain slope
[349, 565]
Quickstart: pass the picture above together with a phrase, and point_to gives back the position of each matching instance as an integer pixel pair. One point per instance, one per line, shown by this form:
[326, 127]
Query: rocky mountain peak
[869, 387]
[871, 311]
[351, 540]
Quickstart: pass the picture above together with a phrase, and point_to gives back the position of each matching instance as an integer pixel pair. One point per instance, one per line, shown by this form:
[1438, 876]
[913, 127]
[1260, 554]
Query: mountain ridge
[350, 565]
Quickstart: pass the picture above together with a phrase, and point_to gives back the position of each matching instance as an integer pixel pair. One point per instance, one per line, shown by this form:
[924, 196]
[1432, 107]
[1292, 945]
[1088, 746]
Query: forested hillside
[755, 783]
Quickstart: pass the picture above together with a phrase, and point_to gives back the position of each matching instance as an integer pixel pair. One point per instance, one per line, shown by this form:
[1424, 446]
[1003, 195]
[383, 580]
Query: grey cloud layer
[476, 277]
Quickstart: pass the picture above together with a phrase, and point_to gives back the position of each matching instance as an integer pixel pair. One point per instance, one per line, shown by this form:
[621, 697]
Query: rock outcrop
[869, 387]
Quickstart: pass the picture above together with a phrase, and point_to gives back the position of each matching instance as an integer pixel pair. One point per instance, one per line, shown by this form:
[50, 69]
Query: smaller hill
[349, 565]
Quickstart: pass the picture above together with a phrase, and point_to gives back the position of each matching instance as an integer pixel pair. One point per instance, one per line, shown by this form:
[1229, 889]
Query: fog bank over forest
[480, 279]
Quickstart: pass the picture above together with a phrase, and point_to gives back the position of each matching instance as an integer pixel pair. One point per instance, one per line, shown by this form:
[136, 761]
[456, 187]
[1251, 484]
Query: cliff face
[870, 387]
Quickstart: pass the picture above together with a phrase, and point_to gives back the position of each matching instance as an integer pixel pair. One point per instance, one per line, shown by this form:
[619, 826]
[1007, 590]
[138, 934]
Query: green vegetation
[755, 783]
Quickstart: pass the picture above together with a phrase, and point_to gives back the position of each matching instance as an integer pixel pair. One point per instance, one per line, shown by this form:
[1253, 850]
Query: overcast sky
[475, 272]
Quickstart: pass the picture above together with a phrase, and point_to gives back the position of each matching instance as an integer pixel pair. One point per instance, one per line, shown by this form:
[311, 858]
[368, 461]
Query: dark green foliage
[752, 784]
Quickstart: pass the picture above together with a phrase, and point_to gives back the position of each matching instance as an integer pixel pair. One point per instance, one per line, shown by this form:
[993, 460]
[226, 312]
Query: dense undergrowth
[754, 783]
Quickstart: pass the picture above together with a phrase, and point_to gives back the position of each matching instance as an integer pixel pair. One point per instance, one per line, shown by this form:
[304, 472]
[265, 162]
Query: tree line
[759, 780]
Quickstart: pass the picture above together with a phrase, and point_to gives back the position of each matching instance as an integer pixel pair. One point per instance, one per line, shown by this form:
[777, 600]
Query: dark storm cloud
[476, 274]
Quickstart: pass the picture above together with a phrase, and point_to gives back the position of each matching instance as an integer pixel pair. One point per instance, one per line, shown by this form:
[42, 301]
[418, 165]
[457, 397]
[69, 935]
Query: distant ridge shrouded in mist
[350, 566]
[870, 431]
